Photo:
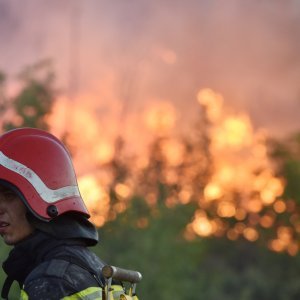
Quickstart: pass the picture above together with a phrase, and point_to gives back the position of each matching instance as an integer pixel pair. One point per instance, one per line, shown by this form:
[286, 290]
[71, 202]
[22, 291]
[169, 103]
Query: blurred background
[182, 121]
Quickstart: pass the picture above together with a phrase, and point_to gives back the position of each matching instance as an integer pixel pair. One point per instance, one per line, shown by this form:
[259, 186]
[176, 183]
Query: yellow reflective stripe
[23, 295]
[126, 297]
[116, 292]
[92, 293]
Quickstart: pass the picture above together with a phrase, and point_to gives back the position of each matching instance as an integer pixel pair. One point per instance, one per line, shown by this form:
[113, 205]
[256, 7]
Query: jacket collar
[26, 255]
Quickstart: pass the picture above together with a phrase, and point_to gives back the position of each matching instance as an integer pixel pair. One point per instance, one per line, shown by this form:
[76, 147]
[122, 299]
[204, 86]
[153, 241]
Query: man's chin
[8, 241]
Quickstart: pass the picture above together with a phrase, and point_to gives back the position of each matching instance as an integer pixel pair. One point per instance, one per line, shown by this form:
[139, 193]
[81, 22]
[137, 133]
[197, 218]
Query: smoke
[137, 51]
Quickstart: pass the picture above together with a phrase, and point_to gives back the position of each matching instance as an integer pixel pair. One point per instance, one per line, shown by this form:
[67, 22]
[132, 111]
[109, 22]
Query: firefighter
[43, 216]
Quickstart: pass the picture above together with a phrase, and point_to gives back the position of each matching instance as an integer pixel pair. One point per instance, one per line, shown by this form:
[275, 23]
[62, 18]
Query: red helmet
[40, 167]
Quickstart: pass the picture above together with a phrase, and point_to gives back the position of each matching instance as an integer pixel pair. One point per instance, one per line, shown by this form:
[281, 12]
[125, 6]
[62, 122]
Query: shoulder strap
[6, 287]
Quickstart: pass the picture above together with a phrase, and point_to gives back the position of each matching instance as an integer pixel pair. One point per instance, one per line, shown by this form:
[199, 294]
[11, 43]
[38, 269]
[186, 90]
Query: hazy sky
[248, 50]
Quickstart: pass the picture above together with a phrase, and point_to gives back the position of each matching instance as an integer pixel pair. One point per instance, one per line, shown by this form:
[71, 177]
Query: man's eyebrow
[7, 192]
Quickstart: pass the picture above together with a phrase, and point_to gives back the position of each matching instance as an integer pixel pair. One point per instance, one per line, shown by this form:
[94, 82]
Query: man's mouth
[3, 224]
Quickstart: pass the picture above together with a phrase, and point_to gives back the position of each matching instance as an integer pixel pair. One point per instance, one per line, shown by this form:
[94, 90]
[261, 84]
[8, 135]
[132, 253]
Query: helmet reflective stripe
[48, 195]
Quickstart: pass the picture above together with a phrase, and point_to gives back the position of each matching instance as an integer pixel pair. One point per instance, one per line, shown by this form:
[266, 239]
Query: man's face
[14, 226]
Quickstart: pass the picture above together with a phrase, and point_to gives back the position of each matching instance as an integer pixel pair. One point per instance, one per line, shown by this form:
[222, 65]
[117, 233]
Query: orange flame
[243, 181]
[160, 117]
[95, 197]
[242, 185]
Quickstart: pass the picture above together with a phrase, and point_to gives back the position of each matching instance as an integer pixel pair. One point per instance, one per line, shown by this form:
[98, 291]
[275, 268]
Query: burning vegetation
[223, 166]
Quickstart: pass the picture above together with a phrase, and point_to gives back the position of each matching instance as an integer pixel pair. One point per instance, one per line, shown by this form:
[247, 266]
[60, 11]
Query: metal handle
[121, 274]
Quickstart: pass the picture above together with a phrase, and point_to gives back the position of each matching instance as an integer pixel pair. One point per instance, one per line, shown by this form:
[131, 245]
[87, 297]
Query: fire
[95, 197]
[185, 194]
[284, 241]
[77, 123]
[213, 103]
[160, 117]
[254, 205]
[267, 221]
[123, 190]
[272, 189]
[173, 151]
[242, 184]
[250, 234]
[240, 196]
[226, 209]
[212, 191]
[234, 131]
[104, 152]
[279, 206]
[202, 225]
[225, 174]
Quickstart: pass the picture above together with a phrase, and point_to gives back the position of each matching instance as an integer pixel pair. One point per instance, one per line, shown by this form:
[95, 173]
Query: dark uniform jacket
[47, 268]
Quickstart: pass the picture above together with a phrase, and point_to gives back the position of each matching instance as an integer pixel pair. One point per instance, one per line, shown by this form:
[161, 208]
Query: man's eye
[9, 196]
